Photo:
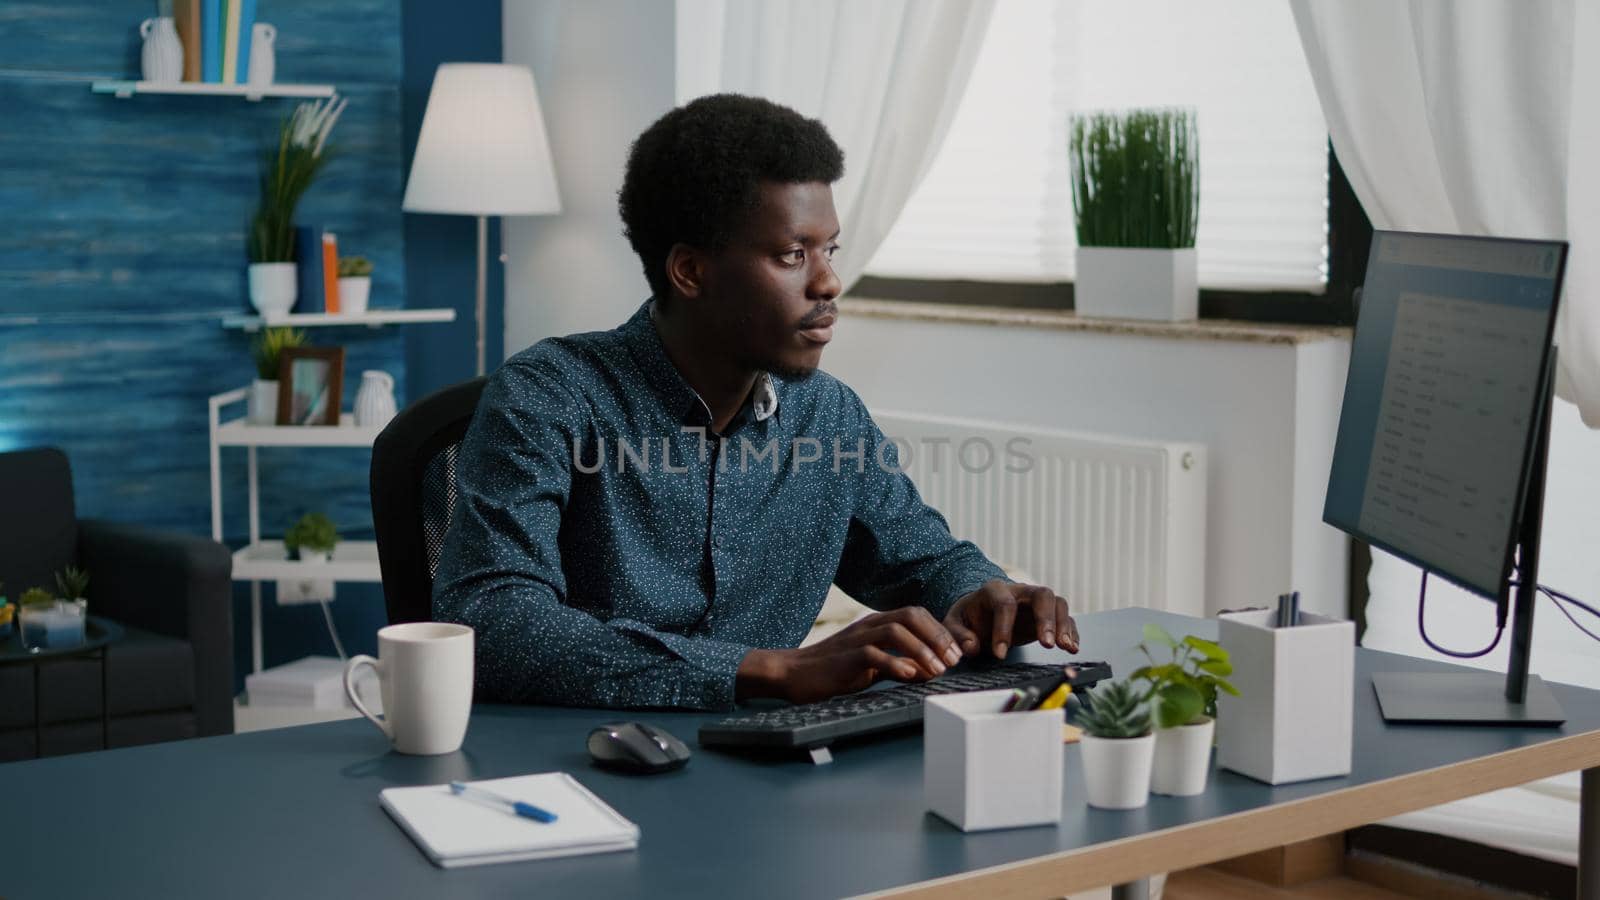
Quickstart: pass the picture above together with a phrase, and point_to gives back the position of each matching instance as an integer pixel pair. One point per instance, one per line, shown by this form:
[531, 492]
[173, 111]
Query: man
[651, 516]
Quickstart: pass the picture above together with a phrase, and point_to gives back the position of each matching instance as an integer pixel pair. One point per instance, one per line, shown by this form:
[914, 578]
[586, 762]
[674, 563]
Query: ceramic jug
[263, 59]
[375, 400]
[161, 59]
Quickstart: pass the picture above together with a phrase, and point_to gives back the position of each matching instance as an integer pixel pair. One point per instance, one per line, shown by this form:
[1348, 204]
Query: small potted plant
[1182, 693]
[48, 622]
[261, 407]
[312, 539]
[73, 583]
[1136, 192]
[1118, 747]
[289, 165]
[355, 284]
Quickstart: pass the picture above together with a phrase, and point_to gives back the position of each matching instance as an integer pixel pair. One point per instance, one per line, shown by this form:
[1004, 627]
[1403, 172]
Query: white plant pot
[1116, 772]
[1136, 283]
[353, 295]
[272, 287]
[261, 405]
[312, 556]
[1182, 759]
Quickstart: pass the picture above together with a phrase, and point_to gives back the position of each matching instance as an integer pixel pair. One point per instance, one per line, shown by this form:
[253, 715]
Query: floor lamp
[482, 152]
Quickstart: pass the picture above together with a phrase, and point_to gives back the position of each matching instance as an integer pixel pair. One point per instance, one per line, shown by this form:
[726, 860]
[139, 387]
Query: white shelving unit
[372, 318]
[252, 92]
[267, 560]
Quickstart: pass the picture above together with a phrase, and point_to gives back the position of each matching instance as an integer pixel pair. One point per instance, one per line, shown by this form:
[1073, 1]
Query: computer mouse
[636, 747]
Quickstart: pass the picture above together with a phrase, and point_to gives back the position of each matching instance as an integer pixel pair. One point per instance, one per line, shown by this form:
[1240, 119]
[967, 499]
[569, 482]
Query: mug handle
[350, 668]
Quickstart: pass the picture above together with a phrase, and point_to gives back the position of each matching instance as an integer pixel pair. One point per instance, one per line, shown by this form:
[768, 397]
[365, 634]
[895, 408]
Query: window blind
[996, 204]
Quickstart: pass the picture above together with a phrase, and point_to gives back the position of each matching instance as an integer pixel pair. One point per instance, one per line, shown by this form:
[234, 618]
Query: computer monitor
[1440, 451]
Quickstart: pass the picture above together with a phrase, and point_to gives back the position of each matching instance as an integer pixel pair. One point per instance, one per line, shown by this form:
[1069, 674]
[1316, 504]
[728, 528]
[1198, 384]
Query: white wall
[1266, 411]
[605, 72]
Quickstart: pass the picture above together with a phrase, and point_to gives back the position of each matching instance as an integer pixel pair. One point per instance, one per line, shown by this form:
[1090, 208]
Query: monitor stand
[1465, 698]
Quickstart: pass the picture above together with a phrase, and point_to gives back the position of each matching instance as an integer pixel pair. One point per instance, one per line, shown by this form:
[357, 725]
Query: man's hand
[907, 644]
[1000, 615]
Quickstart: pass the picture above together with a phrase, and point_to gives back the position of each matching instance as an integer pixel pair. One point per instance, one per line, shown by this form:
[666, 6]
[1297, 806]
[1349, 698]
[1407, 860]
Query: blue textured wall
[122, 246]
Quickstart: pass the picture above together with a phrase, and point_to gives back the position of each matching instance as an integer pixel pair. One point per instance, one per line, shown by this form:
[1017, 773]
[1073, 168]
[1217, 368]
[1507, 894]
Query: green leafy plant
[1183, 688]
[73, 583]
[1136, 178]
[288, 166]
[315, 532]
[1117, 711]
[269, 345]
[36, 596]
[354, 267]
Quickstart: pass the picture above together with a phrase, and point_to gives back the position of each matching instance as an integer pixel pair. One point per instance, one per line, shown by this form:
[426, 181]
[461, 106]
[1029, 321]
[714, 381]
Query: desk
[295, 812]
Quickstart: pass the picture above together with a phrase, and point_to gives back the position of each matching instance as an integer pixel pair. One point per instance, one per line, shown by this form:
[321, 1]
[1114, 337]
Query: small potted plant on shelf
[1117, 747]
[1136, 192]
[355, 284]
[261, 406]
[312, 539]
[288, 167]
[73, 583]
[1182, 693]
[47, 622]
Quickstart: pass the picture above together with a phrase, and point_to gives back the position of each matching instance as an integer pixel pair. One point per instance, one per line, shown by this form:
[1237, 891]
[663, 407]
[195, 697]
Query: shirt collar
[642, 340]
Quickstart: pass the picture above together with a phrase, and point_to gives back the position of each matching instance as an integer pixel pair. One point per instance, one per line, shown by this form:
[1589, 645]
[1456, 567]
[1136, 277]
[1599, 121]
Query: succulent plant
[1118, 711]
[354, 267]
[272, 343]
[315, 531]
[36, 596]
[73, 583]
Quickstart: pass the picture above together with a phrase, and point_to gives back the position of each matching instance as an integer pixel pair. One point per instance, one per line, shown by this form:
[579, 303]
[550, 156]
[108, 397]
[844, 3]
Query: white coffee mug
[425, 670]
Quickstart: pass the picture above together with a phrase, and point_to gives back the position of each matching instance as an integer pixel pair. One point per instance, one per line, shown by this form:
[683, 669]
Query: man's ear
[686, 270]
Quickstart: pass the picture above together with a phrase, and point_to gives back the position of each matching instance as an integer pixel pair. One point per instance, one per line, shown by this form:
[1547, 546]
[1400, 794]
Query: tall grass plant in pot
[288, 166]
[1136, 194]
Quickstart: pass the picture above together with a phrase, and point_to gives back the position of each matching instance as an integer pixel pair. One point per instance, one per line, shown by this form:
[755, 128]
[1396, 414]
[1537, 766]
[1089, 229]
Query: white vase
[262, 65]
[375, 404]
[1116, 771]
[1136, 283]
[261, 405]
[305, 554]
[161, 58]
[353, 293]
[1182, 759]
[272, 287]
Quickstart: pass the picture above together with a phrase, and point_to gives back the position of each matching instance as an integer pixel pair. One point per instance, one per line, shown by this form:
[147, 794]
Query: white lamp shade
[483, 149]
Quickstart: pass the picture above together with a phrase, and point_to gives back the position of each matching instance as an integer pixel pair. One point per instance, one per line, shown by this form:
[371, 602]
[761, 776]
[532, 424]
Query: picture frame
[310, 385]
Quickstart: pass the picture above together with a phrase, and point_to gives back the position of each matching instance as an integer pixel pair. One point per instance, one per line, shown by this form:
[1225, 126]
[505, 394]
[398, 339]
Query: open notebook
[454, 831]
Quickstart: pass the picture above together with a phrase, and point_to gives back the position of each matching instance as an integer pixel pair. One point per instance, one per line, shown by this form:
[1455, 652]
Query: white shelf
[239, 433]
[372, 318]
[125, 89]
[269, 561]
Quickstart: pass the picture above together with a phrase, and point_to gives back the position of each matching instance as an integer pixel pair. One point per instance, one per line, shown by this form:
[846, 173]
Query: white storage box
[983, 768]
[1293, 719]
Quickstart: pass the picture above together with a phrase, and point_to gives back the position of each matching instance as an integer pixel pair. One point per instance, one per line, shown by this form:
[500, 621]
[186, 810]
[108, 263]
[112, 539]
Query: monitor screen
[1442, 399]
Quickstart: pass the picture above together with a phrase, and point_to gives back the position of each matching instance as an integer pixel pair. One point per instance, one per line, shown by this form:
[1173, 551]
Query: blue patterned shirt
[610, 550]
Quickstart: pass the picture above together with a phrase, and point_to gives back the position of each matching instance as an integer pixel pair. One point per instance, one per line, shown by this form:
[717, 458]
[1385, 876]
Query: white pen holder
[983, 768]
[1293, 718]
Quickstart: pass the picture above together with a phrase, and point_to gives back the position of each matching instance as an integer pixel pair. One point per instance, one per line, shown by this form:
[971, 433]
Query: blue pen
[505, 804]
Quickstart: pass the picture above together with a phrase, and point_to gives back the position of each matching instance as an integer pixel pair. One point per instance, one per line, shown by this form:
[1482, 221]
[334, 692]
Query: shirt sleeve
[500, 569]
[898, 550]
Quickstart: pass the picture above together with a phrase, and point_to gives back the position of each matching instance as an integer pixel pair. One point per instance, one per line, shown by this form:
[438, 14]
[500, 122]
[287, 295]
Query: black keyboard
[814, 725]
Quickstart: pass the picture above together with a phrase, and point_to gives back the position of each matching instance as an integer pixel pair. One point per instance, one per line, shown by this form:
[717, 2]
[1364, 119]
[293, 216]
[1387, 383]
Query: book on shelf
[230, 41]
[211, 41]
[330, 272]
[187, 16]
[247, 24]
[308, 256]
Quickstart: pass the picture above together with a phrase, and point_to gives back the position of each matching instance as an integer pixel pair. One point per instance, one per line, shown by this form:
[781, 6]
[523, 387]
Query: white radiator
[1107, 522]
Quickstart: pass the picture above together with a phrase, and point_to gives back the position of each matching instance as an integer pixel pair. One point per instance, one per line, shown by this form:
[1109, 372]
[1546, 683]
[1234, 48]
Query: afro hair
[694, 176]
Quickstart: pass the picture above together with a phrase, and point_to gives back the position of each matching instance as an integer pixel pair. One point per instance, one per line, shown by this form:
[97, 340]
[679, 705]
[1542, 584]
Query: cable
[1557, 595]
[1565, 612]
[327, 614]
[1422, 599]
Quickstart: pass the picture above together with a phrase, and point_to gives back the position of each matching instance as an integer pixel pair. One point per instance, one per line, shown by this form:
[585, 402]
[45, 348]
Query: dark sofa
[170, 677]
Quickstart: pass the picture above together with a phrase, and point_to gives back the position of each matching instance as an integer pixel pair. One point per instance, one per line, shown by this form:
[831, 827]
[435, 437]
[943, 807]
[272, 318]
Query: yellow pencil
[1057, 698]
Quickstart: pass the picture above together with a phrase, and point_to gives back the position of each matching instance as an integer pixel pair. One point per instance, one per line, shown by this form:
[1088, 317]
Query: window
[996, 205]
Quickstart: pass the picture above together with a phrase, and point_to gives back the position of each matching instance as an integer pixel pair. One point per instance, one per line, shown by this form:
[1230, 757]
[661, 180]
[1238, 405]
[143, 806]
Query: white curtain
[884, 76]
[1484, 118]
[1474, 118]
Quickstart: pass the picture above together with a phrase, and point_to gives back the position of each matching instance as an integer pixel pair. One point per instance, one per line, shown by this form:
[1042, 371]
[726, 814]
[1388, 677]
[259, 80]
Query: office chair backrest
[414, 493]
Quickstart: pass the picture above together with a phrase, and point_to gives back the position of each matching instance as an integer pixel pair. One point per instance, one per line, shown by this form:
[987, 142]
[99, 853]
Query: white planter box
[1136, 283]
[1293, 719]
[983, 768]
